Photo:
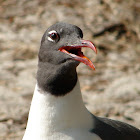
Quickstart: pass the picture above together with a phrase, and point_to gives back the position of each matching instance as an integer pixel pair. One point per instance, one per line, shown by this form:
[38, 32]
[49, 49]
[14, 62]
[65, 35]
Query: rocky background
[113, 90]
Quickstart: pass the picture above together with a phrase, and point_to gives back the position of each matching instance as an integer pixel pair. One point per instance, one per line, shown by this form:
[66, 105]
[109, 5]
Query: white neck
[57, 118]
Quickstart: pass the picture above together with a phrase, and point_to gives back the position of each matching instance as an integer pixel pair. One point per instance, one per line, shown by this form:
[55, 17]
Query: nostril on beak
[84, 43]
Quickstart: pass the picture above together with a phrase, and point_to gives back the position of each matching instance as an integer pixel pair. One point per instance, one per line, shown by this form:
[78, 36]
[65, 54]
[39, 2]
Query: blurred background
[113, 90]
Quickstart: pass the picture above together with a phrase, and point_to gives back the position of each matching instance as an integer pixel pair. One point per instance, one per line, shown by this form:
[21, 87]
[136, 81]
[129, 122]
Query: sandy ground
[113, 90]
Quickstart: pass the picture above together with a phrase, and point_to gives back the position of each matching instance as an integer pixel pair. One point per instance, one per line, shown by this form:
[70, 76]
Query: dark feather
[109, 129]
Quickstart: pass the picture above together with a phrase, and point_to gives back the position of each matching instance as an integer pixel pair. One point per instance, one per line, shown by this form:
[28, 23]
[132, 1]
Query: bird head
[62, 43]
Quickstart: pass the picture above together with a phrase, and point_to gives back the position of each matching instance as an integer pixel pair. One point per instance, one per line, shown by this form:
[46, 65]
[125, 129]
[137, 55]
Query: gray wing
[109, 129]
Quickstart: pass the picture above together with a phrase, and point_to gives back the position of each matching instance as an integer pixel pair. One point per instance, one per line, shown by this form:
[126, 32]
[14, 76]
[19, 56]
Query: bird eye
[53, 36]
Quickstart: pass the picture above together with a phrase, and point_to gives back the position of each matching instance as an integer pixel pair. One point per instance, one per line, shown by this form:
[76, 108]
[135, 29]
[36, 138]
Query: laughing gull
[57, 110]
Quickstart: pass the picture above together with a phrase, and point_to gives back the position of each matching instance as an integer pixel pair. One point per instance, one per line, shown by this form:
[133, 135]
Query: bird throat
[57, 80]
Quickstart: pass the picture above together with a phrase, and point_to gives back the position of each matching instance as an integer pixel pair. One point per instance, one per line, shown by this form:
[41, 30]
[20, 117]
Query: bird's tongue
[79, 56]
[82, 58]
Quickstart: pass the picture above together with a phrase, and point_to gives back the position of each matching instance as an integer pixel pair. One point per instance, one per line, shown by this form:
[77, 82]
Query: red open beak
[77, 54]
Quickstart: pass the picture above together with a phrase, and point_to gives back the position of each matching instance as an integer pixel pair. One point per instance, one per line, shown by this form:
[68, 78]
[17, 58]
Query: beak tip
[92, 66]
[95, 49]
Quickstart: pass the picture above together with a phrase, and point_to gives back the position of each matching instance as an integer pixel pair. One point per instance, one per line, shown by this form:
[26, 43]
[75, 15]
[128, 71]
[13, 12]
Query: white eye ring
[50, 32]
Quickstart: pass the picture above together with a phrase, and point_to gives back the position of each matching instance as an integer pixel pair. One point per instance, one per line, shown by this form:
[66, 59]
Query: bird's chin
[71, 62]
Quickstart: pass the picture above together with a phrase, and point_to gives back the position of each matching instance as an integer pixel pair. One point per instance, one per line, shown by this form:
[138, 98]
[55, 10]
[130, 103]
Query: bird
[57, 110]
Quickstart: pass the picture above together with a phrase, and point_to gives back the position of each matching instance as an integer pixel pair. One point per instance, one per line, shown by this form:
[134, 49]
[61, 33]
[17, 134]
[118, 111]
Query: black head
[59, 35]
[59, 55]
